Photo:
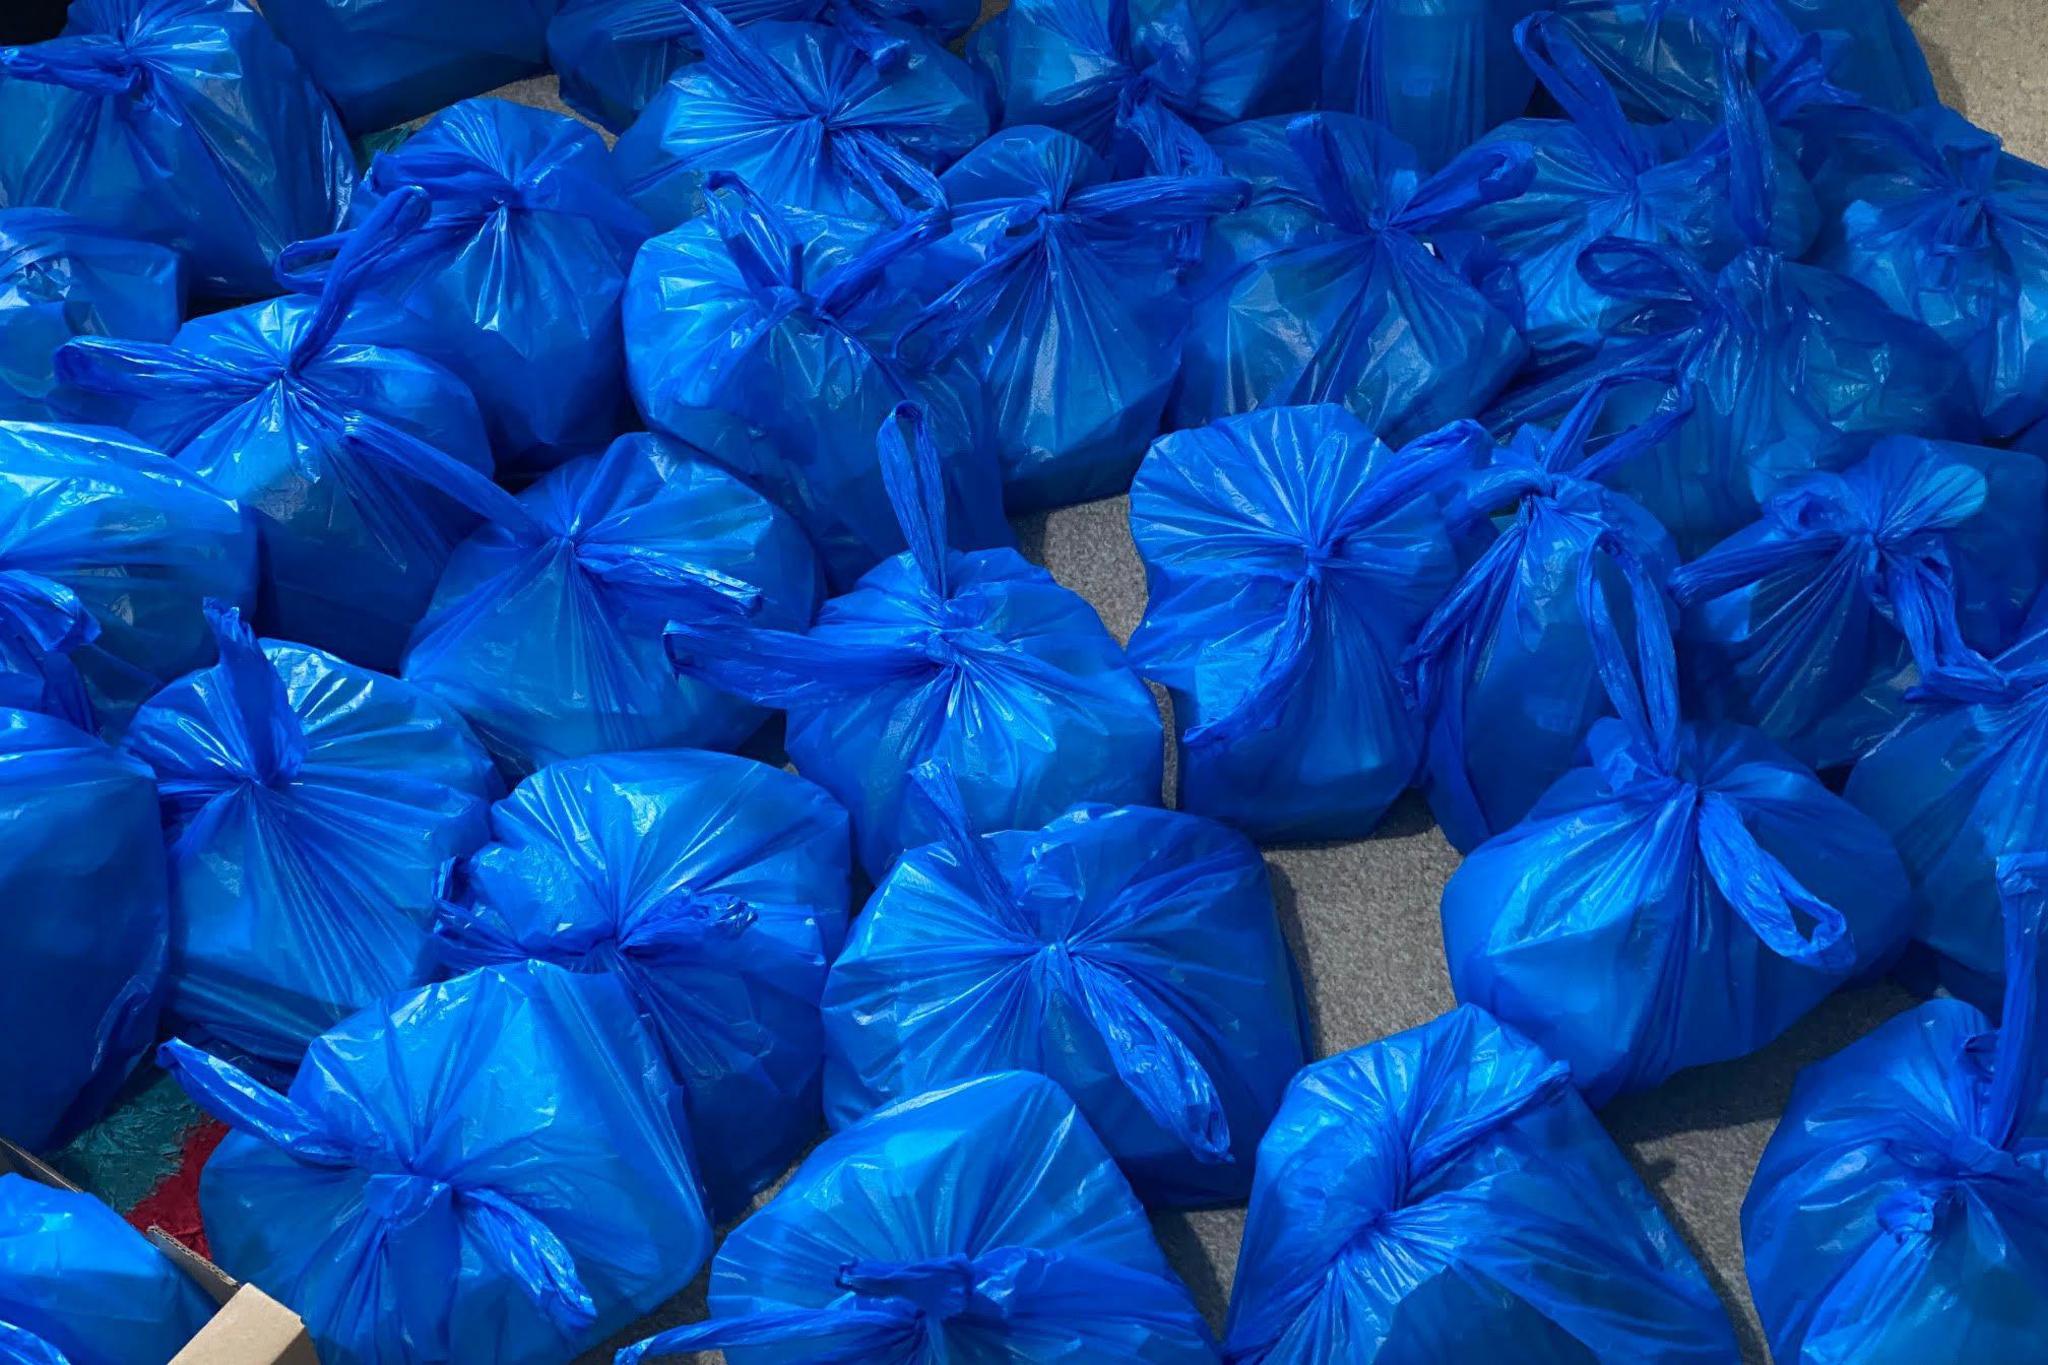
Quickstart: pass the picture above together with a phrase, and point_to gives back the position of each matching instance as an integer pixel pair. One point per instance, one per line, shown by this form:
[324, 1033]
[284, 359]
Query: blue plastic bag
[614, 56]
[1167, 1003]
[1443, 1195]
[1142, 81]
[1807, 624]
[545, 631]
[383, 64]
[308, 806]
[493, 1168]
[513, 282]
[789, 322]
[108, 552]
[714, 889]
[1060, 286]
[977, 660]
[82, 877]
[364, 465]
[1504, 665]
[806, 115]
[62, 277]
[983, 1221]
[1328, 286]
[1290, 558]
[85, 1288]
[1681, 899]
[184, 122]
[1899, 1211]
[1436, 73]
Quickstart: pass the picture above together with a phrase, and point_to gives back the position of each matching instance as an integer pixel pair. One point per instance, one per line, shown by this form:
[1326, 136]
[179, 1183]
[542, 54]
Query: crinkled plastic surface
[364, 465]
[714, 888]
[62, 277]
[1329, 285]
[809, 116]
[184, 122]
[85, 1286]
[514, 281]
[308, 806]
[1061, 286]
[493, 1168]
[982, 1221]
[1807, 623]
[789, 321]
[1436, 73]
[108, 552]
[1504, 665]
[1142, 81]
[976, 660]
[1443, 1195]
[384, 63]
[1290, 558]
[1898, 1212]
[1131, 954]
[1681, 899]
[1952, 230]
[84, 932]
[545, 630]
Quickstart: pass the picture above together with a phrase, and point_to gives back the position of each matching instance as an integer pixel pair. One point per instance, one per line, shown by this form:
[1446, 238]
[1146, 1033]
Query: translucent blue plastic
[714, 888]
[983, 1221]
[494, 1168]
[1443, 1195]
[1290, 559]
[62, 277]
[81, 1285]
[978, 660]
[1131, 954]
[789, 321]
[1900, 1212]
[184, 122]
[1332, 285]
[84, 934]
[308, 806]
[545, 631]
[1683, 898]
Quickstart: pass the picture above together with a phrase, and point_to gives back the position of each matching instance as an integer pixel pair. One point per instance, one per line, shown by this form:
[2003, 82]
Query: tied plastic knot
[940, 1289]
[402, 1198]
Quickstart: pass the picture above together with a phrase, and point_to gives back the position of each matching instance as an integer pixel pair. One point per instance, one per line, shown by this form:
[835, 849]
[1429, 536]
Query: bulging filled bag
[1290, 557]
[1681, 899]
[545, 629]
[981, 1220]
[513, 282]
[975, 659]
[1163, 999]
[1061, 286]
[789, 321]
[383, 64]
[1443, 1195]
[807, 115]
[80, 1287]
[308, 806]
[714, 889]
[184, 122]
[1898, 1211]
[1143, 81]
[1329, 284]
[493, 1168]
[85, 928]
[108, 554]
[364, 465]
[1504, 664]
[62, 277]
[1435, 73]
[1808, 623]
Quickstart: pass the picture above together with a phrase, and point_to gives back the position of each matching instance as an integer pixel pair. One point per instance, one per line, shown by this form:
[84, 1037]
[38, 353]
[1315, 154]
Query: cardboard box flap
[251, 1329]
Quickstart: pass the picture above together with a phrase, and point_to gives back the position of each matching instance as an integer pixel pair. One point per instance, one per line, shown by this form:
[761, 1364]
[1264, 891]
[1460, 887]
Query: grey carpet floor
[1362, 916]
